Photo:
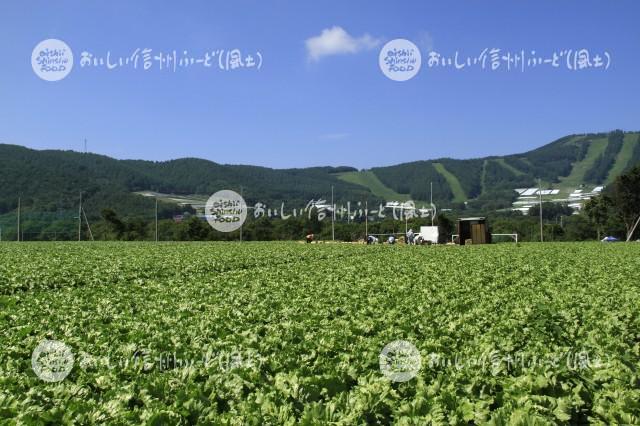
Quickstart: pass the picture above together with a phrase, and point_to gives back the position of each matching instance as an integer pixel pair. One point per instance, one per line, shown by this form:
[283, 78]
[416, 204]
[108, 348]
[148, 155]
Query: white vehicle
[427, 234]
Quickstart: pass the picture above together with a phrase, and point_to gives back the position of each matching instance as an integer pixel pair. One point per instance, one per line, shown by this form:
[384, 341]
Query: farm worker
[410, 236]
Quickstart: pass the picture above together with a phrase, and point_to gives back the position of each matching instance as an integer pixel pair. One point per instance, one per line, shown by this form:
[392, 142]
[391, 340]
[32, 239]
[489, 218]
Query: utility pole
[85, 145]
[431, 202]
[88, 226]
[156, 219]
[80, 218]
[241, 192]
[18, 236]
[333, 217]
[406, 224]
[633, 229]
[540, 202]
[366, 220]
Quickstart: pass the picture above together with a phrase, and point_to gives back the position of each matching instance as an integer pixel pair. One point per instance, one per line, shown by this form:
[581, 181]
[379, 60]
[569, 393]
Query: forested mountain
[590, 159]
[50, 181]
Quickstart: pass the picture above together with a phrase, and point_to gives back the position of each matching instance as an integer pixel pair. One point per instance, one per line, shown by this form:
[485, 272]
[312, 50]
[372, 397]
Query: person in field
[410, 236]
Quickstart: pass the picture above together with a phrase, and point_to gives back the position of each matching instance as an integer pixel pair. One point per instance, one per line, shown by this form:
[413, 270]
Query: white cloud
[336, 41]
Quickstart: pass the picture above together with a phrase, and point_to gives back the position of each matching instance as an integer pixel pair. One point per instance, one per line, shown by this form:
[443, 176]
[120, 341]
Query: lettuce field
[289, 333]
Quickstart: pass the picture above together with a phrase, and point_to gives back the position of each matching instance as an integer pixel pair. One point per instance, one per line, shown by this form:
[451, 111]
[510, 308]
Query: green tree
[598, 211]
[261, 229]
[578, 228]
[114, 223]
[193, 229]
[626, 199]
[551, 211]
[445, 225]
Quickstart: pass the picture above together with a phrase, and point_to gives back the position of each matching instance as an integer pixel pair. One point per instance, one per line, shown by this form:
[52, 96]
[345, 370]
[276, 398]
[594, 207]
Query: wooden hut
[473, 230]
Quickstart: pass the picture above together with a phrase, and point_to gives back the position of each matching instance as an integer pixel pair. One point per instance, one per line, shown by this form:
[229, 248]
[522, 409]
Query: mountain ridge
[47, 180]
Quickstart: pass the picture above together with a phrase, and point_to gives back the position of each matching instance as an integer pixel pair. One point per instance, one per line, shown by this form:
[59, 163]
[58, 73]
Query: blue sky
[301, 109]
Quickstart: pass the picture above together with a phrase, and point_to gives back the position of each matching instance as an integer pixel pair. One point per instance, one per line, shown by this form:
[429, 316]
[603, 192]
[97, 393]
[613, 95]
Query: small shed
[474, 230]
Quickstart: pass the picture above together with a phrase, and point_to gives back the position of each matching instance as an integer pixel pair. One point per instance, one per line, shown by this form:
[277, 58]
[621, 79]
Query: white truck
[427, 235]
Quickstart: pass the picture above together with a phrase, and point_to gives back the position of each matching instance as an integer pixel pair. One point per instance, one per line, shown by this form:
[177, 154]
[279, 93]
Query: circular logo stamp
[52, 360]
[400, 361]
[226, 211]
[400, 59]
[52, 59]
